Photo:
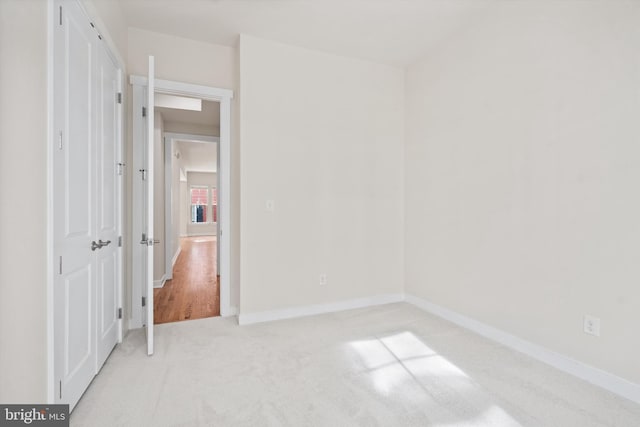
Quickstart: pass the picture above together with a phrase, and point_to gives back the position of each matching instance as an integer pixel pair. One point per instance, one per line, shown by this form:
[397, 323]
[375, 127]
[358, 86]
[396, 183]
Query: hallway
[194, 292]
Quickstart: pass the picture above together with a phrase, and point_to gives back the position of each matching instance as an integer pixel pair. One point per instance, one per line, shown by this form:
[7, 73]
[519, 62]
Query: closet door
[86, 208]
[74, 204]
[107, 205]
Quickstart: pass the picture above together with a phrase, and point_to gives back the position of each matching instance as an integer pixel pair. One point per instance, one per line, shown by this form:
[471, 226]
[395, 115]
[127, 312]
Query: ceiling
[397, 32]
[197, 156]
[209, 116]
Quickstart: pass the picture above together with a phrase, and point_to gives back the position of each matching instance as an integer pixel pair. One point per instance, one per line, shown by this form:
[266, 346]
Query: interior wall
[23, 249]
[201, 63]
[521, 176]
[322, 136]
[205, 229]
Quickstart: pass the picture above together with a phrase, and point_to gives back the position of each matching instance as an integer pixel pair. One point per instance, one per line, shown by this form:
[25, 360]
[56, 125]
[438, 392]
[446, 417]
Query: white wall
[210, 180]
[23, 247]
[522, 175]
[202, 63]
[322, 136]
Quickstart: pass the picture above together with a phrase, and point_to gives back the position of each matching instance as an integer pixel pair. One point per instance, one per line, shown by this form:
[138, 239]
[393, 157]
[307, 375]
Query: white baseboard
[310, 310]
[233, 311]
[160, 283]
[596, 376]
[175, 257]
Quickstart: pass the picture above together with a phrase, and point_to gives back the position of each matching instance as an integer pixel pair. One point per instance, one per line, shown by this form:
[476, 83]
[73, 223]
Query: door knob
[95, 245]
[101, 243]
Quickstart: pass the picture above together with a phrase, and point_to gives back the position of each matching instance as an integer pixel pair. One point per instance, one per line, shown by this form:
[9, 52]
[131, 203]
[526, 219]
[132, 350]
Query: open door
[147, 238]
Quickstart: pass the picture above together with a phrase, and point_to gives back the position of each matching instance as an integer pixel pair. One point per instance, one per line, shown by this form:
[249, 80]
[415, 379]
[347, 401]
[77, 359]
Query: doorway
[190, 286]
[142, 290]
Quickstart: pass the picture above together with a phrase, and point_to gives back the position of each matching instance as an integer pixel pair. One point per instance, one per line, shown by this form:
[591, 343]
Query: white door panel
[106, 205]
[79, 337]
[74, 285]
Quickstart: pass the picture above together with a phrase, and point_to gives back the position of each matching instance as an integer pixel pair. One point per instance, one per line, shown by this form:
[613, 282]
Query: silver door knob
[149, 242]
[102, 244]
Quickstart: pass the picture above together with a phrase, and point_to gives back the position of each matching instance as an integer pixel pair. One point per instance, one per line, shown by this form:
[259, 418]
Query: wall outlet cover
[592, 325]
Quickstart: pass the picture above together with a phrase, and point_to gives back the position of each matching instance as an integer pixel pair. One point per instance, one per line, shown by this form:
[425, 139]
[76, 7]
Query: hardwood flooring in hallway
[194, 291]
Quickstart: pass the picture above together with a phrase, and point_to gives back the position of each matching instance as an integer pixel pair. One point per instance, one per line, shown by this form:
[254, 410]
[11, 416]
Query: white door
[74, 207]
[148, 207]
[86, 209]
[107, 199]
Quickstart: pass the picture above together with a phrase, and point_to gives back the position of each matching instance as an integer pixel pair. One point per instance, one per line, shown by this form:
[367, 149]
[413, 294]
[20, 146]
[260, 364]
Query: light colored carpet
[392, 365]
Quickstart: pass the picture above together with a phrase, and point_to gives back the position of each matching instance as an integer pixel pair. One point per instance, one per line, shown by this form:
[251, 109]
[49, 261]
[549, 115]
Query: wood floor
[194, 292]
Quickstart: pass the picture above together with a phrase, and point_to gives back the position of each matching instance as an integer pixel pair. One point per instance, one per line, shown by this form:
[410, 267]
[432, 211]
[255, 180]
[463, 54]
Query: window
[214, 204]
[199, 204]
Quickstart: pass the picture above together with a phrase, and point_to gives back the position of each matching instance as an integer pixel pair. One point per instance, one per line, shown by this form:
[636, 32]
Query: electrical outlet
[323, 279]
[592, 325]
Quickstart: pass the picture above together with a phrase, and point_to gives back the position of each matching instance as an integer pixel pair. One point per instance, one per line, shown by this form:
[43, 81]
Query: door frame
[169, 139]
[91, 13]
[206, 93]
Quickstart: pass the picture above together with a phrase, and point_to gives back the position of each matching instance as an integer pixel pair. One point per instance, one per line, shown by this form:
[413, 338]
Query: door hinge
[144, 174]
[60, 265]
[60, 393]
[60, 15]
[144, 111]
[144, 301]
[120, 168]
[119, 241]
[119, 97]
[60, 141]
[120, 313]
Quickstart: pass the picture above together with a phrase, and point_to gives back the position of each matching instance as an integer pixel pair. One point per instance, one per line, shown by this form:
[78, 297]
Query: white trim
[310, 310]
[224, 206]
[168, 202]
[596, 376]
[175, 258]
[200, 234]
[233, 311]
[160, 283]
[120, 199]
[50, 197]
[207, 93]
